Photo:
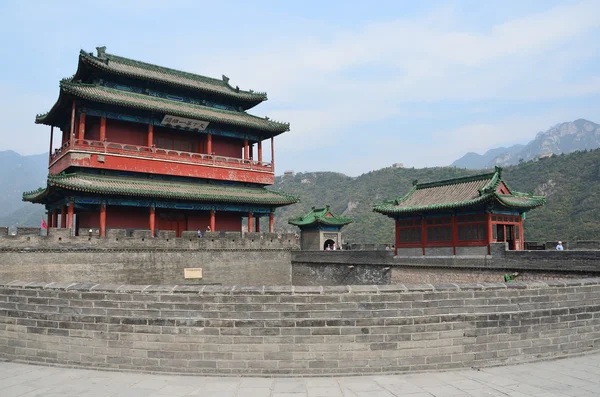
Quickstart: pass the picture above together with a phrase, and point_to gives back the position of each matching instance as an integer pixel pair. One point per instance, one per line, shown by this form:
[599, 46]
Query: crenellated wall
[225, 257]
[297, 331]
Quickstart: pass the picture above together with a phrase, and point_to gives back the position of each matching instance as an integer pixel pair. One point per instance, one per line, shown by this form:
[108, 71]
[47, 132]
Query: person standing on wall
[559, 247]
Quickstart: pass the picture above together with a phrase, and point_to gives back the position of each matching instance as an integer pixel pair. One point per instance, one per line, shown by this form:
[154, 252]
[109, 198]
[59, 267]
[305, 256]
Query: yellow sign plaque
[192, 272]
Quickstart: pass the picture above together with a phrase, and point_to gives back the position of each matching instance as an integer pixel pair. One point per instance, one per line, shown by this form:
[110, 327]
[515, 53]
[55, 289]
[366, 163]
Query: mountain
[17, 175]
[562, 138]
[474, 161]
[570, 182]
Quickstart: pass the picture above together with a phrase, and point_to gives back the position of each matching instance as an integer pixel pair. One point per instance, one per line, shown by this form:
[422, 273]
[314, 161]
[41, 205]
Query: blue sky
[363, 84]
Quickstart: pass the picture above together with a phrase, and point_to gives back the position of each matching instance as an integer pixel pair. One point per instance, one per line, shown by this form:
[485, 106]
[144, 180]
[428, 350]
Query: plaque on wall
[192, 272]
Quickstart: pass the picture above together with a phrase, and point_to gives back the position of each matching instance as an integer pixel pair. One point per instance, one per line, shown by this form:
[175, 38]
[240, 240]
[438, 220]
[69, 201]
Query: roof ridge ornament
[101, 52]
[415, 182]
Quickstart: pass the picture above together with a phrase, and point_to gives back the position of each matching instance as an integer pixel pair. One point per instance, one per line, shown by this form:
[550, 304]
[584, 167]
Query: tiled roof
[113, 96]
[132, 68]
[159, 189]
[457, 193]
[322, 216]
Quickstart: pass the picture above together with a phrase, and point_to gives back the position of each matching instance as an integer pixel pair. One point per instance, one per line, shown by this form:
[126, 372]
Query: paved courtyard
[577, 377]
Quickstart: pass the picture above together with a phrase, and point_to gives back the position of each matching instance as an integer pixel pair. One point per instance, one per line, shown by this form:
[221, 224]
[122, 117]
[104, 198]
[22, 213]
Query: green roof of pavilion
[131, 68]
[159, 189]
[111, 96]
[459, 193]
[322, 216]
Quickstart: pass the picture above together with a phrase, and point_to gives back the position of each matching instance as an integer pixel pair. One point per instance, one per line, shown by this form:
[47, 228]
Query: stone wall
[381, 267]
[297, 331]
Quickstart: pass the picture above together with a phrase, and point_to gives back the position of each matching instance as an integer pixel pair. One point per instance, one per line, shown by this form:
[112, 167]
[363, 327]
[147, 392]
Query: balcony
[127, 157]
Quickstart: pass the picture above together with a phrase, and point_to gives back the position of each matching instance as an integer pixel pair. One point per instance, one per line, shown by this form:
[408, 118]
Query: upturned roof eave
[104, 64]
[62, 181]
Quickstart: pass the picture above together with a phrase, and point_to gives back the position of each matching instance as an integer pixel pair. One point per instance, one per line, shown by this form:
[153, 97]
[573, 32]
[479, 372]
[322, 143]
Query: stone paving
[577, 377]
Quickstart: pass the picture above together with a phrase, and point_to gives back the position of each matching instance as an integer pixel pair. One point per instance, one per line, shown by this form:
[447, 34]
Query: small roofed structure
[321, 229]
[459, 216]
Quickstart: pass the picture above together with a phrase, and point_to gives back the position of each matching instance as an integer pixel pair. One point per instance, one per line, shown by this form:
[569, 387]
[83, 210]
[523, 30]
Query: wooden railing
[159, 153]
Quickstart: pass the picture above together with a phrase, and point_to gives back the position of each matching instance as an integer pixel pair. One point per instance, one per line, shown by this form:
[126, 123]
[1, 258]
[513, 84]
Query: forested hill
[570, 182]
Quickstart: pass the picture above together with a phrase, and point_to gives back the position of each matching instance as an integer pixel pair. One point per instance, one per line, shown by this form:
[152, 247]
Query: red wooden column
[54, 218]
[272, 153]
[488, 222]
[49, 223]
[150, 135]
[423, 234]
[212, 220]
[71, 213]
[102, 128]
[257, 224]
[454, 234]
[152, 219]
[271, 221]
[397, 237]
[63, 217]
[102, 220]
[246, 149]
[72, 130]
[260, 151]
[81, 135]
[250, 222]
[51, 138]
[522, 232]
[209, 143]
[251, 151]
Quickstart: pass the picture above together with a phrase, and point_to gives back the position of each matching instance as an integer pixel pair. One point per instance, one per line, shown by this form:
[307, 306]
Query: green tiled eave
[111, 96]
[168, 190]
[137, 69]
[458, 193]
[318, 216]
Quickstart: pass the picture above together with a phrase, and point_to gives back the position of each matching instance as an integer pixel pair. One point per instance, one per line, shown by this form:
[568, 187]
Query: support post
[260, 152]
[271, 221]
[102, 220]
[273, 153]
[63, 217]
[488, 221]
[72, 130]
[51, 138]
[212, 220]
[102, 128]
[54, 218]
[71, 213]
[152, 220]
[397, 237]
[257, 224]
[454, 234]
[49, 223]
[150, 135]
[250, 222]
[423, 234]
[245, 149]
[209, 144]
[81, 136]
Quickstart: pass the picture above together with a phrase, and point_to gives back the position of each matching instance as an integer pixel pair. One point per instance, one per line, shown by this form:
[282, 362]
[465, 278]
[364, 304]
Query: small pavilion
[460, 216]
[320, 229]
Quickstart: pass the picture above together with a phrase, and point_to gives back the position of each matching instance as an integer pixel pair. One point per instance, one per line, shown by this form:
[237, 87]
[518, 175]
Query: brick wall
[292, 331]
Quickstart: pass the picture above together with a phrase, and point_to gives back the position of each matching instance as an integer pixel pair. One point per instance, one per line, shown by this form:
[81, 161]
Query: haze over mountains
[562, 138]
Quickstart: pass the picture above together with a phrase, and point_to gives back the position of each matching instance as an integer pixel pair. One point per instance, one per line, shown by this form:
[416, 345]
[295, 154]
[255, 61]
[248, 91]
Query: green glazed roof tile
[170, 190]
[457, 193]
[132, 68]
[113, 96]
[322, 216]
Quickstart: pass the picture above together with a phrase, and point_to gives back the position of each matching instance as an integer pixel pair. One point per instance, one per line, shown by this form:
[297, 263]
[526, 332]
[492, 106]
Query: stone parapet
[297, 331]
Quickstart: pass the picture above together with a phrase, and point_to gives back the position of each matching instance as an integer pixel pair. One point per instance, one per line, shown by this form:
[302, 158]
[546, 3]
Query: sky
[363, 84]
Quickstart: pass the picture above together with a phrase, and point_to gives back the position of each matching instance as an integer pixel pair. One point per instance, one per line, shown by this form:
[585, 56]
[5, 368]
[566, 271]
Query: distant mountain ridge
[566, 137]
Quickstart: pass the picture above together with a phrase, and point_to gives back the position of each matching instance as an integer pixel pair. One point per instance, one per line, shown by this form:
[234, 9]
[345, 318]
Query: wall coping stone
[296, 290]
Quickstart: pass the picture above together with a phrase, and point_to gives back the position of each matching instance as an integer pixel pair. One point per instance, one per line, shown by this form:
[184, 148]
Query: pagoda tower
[152, 148]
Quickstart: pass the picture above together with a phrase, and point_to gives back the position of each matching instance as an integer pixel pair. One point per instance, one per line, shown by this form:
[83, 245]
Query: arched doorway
[328, 243]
